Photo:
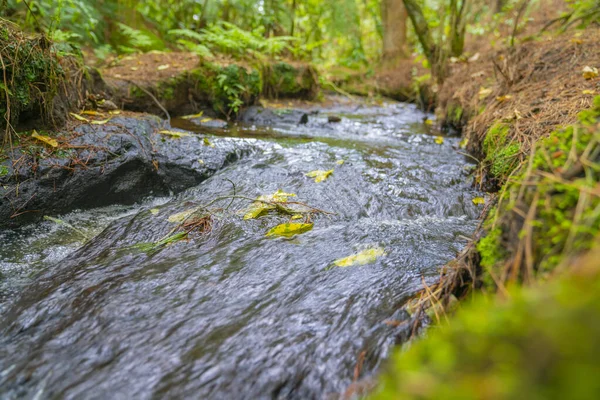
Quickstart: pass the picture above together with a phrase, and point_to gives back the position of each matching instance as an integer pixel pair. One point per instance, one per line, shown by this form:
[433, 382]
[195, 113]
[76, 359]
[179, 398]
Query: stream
[233, 313]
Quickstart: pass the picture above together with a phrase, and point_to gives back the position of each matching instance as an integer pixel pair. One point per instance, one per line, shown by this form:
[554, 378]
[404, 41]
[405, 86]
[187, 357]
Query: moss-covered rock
[543, 343]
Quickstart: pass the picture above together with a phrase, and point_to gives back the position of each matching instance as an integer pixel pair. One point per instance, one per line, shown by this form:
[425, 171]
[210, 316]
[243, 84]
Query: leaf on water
[79, 117]
[319, 175]
[290, 229]
[90, 112]
[207, 142]
[174, 134]
[46, 139]
[364, 257]
[439, 140]
[259, 207]
[297, 216]
[590, 72]
[104, 121]
[154, 211]
[181, 216]
[463, 143]
[484, 92]
[163, 67]
[478, 200]
[279, 195]
[340, 162]
[193, 116]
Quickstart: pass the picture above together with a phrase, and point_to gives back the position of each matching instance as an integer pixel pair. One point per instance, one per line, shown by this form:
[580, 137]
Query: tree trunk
[394, 18]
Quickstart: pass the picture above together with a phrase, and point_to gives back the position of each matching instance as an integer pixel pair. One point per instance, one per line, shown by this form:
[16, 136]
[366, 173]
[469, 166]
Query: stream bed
[233, 313]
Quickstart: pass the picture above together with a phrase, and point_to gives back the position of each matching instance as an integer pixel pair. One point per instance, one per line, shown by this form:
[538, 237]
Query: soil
[150, 67]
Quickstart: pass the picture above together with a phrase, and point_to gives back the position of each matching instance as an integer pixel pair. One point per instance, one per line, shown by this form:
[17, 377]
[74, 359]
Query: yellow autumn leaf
[91, 112]
[203, 120]
[478, 200]
[163, 67]
[175, 134]
[181, 216]
[207, 142]
[193, 116]
[504, 98]
[576, 41]
[484, 92]
[463, 143]
[428, 122]
[154, 211]
[261, 206]
[114, 112]
[46, 139]
[439, 140]
[364, 257]
[590, 72]
[340, 162]
[297, 216]
[319, 175]
[104, 121]
[587, 92]
[290, 229]
[79, 117]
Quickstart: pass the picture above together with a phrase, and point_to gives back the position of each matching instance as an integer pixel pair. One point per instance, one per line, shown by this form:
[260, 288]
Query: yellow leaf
[428, 122]
[203, 120]
[193, 116]
[463, 143]
[208, 143]
[590, 72]
[154, 211]
[46, 139]
[175, 134]
[319, 175]
[104, 121]
[478, 200]
[439, 140]
[279, 196]
[290, 229]
[504, 98]
[115, 112]
[162, 67]
[367, 256]
[576, 41]
[297, 216]
[134, 68]
[79, 117]
[340, 162]
[90, 112]
[587, 92]
[483, 93]
[257, 209]
[180, 217]
[200, 161]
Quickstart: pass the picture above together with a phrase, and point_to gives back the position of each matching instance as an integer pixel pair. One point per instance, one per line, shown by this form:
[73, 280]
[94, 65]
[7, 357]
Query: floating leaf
[483, 93]
[175, 134]
[367, 256]
[340, 162]
[478, 200]
[79, 117]
[290, 229]
[181, 216]
[590, 72]
[104, 121]
[193, 116]
[463, 143]
[439, 140]
[154, 211]
[207, 142]
[319, 175]
[46, 139]
[162, 67]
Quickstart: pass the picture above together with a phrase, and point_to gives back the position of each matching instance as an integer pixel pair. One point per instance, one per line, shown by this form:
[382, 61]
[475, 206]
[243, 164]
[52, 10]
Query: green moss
[490, 248]
[542, 343]
[502, 155]
[285, 80]
[3, 170]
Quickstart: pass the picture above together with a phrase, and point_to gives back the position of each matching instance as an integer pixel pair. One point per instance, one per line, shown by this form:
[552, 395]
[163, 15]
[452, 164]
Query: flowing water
[233, 313]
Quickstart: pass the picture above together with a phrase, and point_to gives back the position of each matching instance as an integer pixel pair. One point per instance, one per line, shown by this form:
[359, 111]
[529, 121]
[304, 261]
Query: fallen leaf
[590, 72]
[576, 41]
[180, 217]
[46, 139]
[154, 211]
[134, 68]
[79, 117]
[90, 112]
[203, 120]
[504, 98]
[290, 229]
[104, 121]
[478, 200]
[463, 143]
[364, 257]
[340, 162]
[428, 122]
[483, 93]
[297, 216]
[474, 57]
[162, 67]
[319, 175]
[175, 134]
[261, 206]
[439, 140]
[193, 116]
[587, 92]
[207, 142]
[200, 161]
[115, 112]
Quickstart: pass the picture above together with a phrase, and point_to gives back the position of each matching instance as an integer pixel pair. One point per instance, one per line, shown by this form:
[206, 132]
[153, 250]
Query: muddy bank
[120, 162]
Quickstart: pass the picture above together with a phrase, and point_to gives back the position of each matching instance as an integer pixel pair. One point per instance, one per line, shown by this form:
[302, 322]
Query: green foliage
[543, 343]
[502, 155]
